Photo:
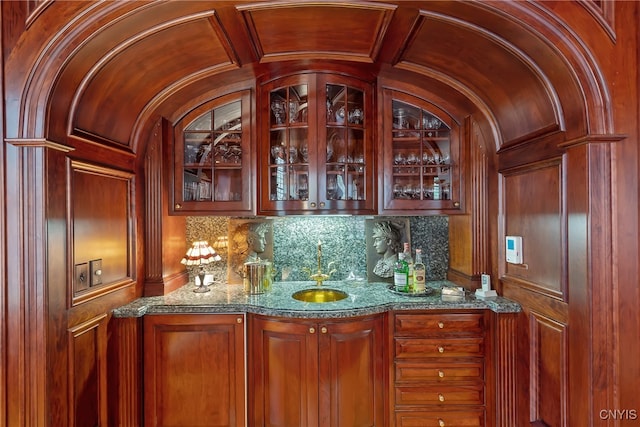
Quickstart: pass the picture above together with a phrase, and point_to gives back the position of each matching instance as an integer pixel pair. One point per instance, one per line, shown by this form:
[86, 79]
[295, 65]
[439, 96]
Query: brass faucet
[319, 276]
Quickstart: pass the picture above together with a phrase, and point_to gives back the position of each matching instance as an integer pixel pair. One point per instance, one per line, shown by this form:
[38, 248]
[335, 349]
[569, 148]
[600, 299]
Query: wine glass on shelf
[304, 152]
[278, 108]
[277, 152]
[293, 111]
[331, 187]
[356, 116]
[293, 154]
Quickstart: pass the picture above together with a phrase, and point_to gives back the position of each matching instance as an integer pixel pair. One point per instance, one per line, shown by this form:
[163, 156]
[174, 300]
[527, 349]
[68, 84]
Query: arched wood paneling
[349, 32]
[108, 70]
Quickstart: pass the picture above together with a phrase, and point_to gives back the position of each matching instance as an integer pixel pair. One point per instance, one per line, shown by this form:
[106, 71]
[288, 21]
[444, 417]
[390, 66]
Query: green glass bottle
[401, 274]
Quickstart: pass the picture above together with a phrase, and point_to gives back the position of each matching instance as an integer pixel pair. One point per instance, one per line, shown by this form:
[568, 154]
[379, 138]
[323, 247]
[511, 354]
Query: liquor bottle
[401, 274]
[409, 259]
[419, 272]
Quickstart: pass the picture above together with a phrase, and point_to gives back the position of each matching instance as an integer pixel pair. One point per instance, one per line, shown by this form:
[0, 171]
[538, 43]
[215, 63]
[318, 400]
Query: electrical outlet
[96, 272]
[81, 277]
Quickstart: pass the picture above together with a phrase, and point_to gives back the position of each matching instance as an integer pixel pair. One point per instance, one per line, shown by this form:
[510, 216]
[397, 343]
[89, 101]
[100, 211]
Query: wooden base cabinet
[438, 376]
[316, 373]
[194, 370]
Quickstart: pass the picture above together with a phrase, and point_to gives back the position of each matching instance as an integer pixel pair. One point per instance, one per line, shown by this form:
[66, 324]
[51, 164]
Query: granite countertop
[364, 298]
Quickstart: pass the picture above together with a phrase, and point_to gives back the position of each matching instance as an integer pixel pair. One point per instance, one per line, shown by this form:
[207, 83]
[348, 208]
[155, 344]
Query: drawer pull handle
[312, 330]
[239, 320]
[441, 397]
[323, 329]
[441, 374]
[313, 204]
[440, 325]
[441, 422]
[440, 349]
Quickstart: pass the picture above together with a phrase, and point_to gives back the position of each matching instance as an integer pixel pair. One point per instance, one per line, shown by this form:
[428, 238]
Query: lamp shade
[200, 253]
[221, 242]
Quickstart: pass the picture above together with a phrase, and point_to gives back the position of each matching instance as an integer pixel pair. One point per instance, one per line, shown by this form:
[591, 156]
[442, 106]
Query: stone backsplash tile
[295, 240]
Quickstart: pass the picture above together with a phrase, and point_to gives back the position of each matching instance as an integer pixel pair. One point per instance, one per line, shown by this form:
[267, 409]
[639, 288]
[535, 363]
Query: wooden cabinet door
[422, 161]
[345, 145]
[284, 373]
[352, 373]
[316, 373]
[194, 370]
[212, 158]
[316, 154]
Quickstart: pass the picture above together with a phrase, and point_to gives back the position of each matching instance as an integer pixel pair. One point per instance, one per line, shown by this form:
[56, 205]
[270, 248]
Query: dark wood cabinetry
[212, 158]
[421, 157]
[194, 370]
[317, 150]
[316, 373]
[438, 376]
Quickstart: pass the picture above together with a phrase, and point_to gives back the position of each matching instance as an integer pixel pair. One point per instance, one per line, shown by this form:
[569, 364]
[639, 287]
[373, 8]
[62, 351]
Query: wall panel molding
[548, 386]
[533, 208]
[125, 394]
[87, 373]
[101, 232]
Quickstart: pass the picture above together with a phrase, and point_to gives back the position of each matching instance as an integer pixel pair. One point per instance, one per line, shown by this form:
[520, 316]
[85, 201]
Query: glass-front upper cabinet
[317, 155]
[421, 156]
[212, 158]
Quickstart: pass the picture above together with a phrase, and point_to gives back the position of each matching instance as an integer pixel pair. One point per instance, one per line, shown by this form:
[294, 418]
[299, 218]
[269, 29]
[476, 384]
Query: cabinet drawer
[408, 348]
[407, 372]
[440, 395]
[440, 419]
[429, 324]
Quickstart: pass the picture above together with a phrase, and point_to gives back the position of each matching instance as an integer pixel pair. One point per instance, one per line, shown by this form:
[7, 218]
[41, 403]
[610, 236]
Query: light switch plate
[81, 277]
[95, 267]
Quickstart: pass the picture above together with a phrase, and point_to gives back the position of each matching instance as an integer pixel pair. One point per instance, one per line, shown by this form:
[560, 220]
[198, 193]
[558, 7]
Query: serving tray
[425, 293]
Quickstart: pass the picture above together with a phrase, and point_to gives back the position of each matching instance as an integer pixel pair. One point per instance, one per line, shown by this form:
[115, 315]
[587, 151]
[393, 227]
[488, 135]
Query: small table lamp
[221, 242]
[200, 253]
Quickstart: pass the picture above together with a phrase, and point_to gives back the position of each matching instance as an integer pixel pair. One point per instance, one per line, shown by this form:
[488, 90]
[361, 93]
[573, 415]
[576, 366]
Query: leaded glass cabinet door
[319, 153]
[212, 158]
[347, 147]
[345, 139]
[289, 159]
[421, 156]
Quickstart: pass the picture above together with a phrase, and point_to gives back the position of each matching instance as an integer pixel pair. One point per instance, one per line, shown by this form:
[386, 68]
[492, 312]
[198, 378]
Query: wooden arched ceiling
[136, 60]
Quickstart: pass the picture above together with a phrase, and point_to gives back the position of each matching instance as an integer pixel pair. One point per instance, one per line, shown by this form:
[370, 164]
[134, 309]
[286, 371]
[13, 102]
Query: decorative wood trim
[537, 348]
[153, 207]
[462, 279]
[506, 369]
[95, 139]
[228, 47]
[166, 284]
[478, 175]
[593, 303]
[560, 294]
[25, 295]
[35, 9]
[592, 138]
[257, 42]
[74, 166]
[98, 326]
[603, 11]
[38, 142]
[156, 282]
[125, 400]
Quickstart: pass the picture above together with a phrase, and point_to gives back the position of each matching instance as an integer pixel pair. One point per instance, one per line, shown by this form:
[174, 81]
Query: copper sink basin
[319, 295]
